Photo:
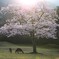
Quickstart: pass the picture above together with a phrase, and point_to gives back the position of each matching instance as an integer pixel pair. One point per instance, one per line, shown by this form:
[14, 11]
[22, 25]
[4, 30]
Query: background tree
[57, 17]
[37, 22]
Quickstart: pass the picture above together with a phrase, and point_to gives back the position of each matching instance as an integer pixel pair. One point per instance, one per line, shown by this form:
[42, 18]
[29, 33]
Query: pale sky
[53, 2]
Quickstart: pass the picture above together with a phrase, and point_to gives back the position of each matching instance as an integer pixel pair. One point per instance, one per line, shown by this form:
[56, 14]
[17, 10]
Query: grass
[45, 53]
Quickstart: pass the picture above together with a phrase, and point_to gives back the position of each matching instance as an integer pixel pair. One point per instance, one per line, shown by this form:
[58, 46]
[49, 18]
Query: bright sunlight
[27, 4]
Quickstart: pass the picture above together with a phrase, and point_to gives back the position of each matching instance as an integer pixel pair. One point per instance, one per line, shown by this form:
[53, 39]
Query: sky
[54, 2]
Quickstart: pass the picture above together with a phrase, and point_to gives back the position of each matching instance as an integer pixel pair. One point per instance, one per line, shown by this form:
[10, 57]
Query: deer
[18, 50]
[10, 50]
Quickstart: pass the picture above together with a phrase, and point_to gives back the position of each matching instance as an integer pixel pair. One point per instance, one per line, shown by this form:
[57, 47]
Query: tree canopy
[41, 19]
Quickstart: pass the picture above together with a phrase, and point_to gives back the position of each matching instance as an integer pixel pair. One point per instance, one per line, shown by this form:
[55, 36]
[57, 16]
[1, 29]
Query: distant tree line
[26, 40]
[57, 10]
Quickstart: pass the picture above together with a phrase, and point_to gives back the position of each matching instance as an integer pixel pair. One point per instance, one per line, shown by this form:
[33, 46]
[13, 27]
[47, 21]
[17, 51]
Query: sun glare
[27, 3]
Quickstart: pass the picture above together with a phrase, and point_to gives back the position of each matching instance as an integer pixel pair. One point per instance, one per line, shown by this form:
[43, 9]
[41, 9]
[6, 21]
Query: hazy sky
[53, 2]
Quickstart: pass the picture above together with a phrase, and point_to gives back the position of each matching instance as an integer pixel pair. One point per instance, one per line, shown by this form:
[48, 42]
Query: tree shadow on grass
[36, 53]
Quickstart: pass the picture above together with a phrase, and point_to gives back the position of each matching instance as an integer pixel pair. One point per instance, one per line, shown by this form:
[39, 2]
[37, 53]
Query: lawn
[44, 53]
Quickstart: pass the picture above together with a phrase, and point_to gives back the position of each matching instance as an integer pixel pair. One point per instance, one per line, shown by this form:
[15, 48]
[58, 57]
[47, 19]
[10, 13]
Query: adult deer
[18, 50]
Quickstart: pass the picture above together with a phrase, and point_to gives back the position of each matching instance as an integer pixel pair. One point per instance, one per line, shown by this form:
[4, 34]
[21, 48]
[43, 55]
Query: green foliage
[58, 10]
[27, 40]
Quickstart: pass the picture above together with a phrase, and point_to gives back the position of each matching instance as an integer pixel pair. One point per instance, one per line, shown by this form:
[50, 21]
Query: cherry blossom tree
[37, 22]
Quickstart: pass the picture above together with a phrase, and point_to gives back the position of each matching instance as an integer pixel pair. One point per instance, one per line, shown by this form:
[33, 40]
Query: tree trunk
[33, 41]
[34, 46]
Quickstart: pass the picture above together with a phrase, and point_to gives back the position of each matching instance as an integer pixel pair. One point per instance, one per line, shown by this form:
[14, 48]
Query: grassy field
[44, 53]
